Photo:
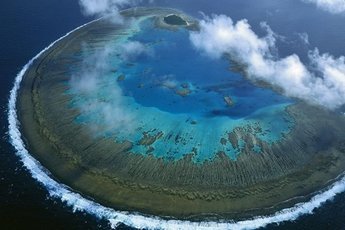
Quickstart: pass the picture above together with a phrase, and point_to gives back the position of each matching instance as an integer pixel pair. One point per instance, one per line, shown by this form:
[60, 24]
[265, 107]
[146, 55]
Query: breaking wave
[79, 203]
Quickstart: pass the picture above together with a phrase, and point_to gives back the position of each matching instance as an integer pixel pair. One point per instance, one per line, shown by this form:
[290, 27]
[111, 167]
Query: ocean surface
[27, 27]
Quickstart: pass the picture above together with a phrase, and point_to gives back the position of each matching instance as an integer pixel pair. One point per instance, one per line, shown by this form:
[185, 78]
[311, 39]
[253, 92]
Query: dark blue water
[26, 27]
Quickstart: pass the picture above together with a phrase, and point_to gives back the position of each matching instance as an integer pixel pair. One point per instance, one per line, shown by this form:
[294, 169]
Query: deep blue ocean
[26, 27]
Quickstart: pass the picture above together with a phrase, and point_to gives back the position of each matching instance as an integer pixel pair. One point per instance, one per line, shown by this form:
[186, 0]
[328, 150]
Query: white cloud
[103, 7]
[107, 8]
[304, 38]
[332, 80]
[131, 50]
[333, 6]
[220, 35]
[92, 68]
[112, 113]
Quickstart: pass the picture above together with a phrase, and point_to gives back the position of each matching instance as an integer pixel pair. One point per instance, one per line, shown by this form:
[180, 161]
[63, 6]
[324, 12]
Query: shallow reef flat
[188, 154]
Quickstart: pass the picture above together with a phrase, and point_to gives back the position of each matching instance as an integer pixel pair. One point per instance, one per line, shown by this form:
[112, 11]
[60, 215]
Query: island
[176, 20]
[124, 146]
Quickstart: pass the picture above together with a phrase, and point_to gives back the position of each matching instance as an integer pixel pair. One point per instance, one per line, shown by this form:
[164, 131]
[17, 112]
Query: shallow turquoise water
[150, 100]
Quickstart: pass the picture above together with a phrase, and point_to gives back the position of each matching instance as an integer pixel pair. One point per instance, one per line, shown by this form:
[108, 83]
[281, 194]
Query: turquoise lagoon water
[173, 89]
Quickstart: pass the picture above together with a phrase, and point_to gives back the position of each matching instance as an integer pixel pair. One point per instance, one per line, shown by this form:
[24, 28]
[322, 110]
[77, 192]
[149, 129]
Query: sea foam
[79, 203]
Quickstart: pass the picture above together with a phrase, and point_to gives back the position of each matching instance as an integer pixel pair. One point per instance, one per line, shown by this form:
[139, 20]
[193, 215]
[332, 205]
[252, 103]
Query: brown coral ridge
[303, 162]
